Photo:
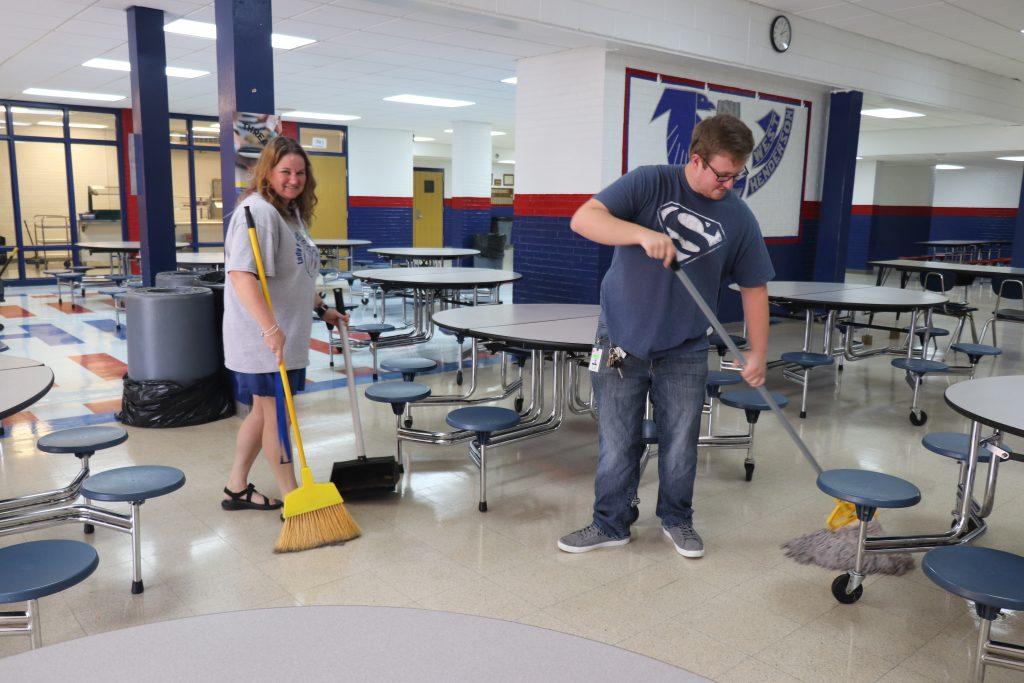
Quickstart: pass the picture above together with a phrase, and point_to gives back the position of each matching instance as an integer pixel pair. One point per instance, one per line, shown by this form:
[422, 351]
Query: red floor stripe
[109, 406]
[318, 345]
[68, 307]
[102, 364]
[15, 312]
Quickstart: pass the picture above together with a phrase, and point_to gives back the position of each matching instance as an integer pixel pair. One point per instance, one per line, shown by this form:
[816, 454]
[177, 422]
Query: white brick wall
[379, 162]
[995, 185]
[471, 159]
[898, 184]
[864, 182]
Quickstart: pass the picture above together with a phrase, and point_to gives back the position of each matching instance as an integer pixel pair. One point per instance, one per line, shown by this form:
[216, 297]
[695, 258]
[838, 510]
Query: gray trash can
[175, 278]
[173, 334]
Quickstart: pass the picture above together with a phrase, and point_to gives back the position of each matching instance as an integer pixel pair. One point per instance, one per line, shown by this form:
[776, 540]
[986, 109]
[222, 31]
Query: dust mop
[830, 548]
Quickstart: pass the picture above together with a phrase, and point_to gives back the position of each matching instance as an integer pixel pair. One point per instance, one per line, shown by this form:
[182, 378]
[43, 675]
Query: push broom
[314, 514]
[832, 548]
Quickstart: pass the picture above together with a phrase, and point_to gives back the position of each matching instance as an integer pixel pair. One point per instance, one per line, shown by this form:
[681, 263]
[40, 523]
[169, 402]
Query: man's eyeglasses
[724, 178]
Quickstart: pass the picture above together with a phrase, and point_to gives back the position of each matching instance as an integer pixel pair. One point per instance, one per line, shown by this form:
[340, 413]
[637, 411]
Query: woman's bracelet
[270, 331]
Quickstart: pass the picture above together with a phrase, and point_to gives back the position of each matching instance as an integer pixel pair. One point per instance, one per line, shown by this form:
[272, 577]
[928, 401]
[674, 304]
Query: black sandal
[242, 500]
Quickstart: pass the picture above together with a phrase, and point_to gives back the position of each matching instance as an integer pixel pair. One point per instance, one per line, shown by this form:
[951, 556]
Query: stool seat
[871, 489]
[952, 445]
[750, 399]
[117, 279]
[716, 341]
[409, 365]
[397, 392]
[82, 439]
[482, 418]
[718, 378]
[650, 432]
[133, 484]
[933, 332]
[69, 277]
[347, 277]
[919, 366]
[373, 328]
[82, 269]
[984, 575]
[35, 569]
[807, 359]
[1010, 314]
[977, 349]
[115, 292]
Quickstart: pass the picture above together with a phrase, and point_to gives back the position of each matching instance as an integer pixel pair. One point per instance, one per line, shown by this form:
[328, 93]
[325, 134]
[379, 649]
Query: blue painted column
[1017, 256]
[837, 188]
[150, 141]
[245, 76]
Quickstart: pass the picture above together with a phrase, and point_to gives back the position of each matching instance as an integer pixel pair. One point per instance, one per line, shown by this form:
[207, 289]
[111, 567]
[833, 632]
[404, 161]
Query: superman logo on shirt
[693, 234]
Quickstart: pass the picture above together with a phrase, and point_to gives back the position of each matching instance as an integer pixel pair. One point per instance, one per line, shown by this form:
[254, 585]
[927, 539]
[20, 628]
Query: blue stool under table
[398, 395]
[868, 491]
[33, 570]
[975, 352]
[409, 367]
[374, 331]
[752, 405]
[484, 420]
[717, 379]
[916, 369]
[991, 579]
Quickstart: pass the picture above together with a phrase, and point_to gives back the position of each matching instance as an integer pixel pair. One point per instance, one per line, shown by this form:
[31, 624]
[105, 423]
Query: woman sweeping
[281, 197]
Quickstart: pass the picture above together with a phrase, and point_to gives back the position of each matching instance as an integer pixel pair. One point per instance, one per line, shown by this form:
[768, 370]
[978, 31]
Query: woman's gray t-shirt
[644, 308]
[291, 261]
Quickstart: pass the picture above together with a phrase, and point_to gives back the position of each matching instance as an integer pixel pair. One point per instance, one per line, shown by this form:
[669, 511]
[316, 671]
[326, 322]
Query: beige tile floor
[742, 613]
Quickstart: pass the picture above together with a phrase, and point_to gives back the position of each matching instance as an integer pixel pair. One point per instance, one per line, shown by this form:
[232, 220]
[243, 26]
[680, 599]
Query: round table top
[424, 252]
[947, 266]
[331, 242]
[327, 643]
[989, 400]
[852, 296]
[952, 243]
[119, 246]
[561, 327]
[438, 278]
[201, 258]
[22, 383]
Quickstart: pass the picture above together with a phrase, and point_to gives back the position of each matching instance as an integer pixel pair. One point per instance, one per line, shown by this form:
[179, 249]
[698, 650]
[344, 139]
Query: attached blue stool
[713, 389]
[398, 395]
[134, 485]
[868, 491]
[66, 278]
[82, 442]
[916, 369]
[33, 570]
[806, 360]
[409, 367]
[975, 352]
[991, 579]
[117, 294]
[484, 420]
[374, 331]
[719, 345]
[933, 334]
[752, 405]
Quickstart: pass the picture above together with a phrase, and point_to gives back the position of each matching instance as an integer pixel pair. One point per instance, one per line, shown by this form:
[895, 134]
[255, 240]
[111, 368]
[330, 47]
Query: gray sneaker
[588, 538]
[686, 539]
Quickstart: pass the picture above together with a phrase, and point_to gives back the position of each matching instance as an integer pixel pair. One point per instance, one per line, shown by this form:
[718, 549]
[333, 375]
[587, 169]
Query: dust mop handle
[353, 394]
[720, 329]
[255, 243]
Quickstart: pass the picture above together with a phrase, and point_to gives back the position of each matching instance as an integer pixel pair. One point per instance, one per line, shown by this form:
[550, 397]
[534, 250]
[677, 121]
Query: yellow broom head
[314, 515]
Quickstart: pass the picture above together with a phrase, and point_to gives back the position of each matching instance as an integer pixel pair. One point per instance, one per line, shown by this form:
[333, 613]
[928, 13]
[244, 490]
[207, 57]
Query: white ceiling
[368, 50]
[981, 33]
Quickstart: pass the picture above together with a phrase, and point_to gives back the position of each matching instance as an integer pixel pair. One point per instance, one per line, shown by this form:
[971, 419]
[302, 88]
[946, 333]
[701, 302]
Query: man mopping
[652, 339]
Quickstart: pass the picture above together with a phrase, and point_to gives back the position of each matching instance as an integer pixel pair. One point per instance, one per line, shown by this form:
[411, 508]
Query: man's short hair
[722, 134]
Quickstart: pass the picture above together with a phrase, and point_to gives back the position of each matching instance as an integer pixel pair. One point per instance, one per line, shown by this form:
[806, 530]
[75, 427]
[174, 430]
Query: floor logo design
[693, 234]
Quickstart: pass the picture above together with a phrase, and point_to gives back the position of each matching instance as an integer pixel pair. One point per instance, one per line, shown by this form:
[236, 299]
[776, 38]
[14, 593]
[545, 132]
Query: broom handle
[353, 395]
[720, 329]
[255, 242]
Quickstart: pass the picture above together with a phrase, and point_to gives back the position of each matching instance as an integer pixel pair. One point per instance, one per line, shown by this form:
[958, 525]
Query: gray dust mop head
[838, 550]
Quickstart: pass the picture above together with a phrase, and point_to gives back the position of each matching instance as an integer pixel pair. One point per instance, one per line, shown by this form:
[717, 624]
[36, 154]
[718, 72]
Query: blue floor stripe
[40, 427]
[23, 335]
[108, 325]
[51, 335]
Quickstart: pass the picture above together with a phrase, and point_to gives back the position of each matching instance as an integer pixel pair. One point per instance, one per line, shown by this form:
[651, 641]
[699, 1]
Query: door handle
[419, 215]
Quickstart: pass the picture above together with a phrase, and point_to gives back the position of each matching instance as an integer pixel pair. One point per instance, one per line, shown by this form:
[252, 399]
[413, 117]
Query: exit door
[427, 208]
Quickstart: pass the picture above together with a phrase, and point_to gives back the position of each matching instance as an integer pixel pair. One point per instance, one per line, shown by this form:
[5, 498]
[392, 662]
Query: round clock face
[782, 33]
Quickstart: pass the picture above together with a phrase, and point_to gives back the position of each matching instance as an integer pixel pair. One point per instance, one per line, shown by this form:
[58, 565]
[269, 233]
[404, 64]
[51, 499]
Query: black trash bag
[160, 403]
[491, 246]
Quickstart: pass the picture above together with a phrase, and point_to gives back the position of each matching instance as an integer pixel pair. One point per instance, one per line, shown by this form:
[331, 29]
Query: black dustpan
[363, 477]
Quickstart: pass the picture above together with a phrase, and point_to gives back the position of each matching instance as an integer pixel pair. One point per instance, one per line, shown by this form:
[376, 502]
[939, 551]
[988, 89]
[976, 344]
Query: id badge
[595, 358]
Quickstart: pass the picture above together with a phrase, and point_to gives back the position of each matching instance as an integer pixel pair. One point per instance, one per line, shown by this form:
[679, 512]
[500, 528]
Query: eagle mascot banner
[661, 117]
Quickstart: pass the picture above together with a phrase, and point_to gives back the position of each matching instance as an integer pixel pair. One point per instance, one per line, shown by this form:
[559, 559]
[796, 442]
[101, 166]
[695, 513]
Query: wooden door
[330, 219]
[427, 208]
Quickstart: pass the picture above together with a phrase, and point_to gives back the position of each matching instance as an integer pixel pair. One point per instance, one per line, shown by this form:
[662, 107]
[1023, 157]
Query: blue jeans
[676, 384]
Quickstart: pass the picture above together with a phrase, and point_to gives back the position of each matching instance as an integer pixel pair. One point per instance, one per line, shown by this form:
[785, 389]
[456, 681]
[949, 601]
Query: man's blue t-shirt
[644, 308]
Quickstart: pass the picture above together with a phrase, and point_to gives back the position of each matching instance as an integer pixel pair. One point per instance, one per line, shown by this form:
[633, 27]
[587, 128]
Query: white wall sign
[319, 143]
[660, 121]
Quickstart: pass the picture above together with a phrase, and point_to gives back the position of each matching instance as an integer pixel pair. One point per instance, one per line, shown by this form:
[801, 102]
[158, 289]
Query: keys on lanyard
[616, 356]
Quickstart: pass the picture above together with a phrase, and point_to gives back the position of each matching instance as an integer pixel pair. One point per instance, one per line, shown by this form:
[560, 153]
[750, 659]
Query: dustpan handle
[353, 394]
[720, 329]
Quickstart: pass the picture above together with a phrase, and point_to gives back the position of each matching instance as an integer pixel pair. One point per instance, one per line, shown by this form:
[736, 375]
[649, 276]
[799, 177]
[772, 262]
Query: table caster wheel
[458, 378]
[749, 467]
[88, 528]
[482, 507]
[364, 301]
[803, 414]
[918, 419]
[839, 590]
[408, 422]
[519, 404]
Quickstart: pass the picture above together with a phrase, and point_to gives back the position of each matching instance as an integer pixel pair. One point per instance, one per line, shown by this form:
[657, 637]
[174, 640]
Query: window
[43, 196]
[179, 132]
[97, 197]
[38, 122]
[88, 125]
